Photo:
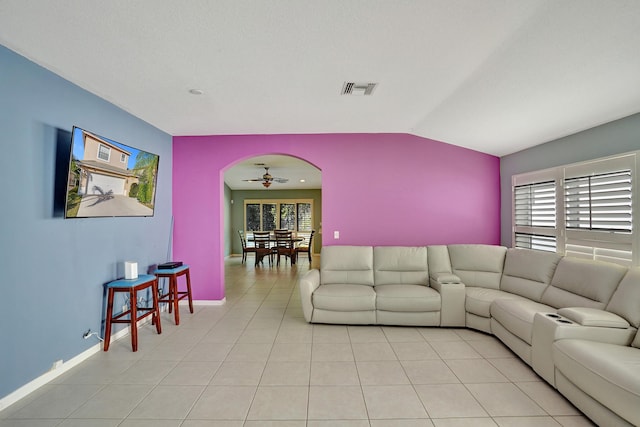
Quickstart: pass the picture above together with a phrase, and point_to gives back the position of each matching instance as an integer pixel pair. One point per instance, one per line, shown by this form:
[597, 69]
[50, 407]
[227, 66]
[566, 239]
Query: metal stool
[132, 286]
[173, 296]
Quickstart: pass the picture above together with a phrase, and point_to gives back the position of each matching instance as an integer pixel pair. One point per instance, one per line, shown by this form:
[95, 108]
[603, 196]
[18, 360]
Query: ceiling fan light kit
[267, 179]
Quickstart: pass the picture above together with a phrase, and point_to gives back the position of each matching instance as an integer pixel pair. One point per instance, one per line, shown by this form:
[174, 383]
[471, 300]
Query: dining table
[272, 238]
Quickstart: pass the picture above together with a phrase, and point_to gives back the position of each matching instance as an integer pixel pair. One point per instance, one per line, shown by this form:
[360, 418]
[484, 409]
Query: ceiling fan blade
[253, 180]
[281, 180]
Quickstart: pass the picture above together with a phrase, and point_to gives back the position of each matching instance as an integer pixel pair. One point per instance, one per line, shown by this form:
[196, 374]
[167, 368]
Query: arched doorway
[288, 186]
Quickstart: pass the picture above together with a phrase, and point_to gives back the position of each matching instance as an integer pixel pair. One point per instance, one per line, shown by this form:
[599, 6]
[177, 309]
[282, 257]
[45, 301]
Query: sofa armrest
[443, 278]
[593, 317]
[308, 283]
[452, 296]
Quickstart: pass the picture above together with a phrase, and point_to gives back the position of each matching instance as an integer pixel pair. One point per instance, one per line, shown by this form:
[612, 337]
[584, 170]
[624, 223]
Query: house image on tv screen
[107, 178]
[104, 168]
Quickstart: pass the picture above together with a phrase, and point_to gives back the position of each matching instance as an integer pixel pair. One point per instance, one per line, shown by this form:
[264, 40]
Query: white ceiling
[280, 166]
[495, 76]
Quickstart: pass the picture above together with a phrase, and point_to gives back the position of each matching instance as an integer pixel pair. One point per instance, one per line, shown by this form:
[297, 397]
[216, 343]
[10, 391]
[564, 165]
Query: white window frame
[608, 245]
[123, 158]
[108, 151]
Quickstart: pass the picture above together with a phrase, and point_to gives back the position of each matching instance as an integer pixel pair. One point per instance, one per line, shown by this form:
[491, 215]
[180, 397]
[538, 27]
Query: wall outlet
[336, 235]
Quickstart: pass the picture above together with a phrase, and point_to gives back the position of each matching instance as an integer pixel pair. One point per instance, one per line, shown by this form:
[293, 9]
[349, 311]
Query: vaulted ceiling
[495, 76]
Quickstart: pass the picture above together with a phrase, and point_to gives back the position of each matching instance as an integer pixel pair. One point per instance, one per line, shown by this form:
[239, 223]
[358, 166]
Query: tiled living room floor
[255, 362]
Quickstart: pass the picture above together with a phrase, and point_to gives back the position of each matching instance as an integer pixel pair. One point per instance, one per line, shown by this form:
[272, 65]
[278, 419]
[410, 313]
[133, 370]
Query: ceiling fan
[267, 179]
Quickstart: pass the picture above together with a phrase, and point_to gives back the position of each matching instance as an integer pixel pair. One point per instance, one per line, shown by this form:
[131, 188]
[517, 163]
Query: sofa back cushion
[352, 265]
[478, 265]
[625, 301]
[583, 283]
[400, 265]
[438, 259]
[528, 272]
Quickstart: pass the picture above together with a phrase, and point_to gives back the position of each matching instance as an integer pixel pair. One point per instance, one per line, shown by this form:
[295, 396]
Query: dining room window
[268, 215]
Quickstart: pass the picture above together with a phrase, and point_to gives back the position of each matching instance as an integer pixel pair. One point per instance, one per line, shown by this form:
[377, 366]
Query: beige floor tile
[250, 352]
[414, 351]
[548, 398]
[290, 352]
[330, 334]
[336, 403]
[402, 334]
[279, 403]
[526, 422]
[236, 399]
[393, 401]
[56, 401]
[373, 351]
[388, 372]
[514, 369]
[455, 350]
[504, 399]
[239, 373]
[429, 372]
[334, 373]
[88, 422]
[191, 373]
[167, 402]
[286, 373]
[491, 348]
[208, 352]
[449, 401]
[475, 371]
[464, 422]
[366, 334]
[402, 423]
[326, 352]
[439, 334]
[338, 423]
[113, 401]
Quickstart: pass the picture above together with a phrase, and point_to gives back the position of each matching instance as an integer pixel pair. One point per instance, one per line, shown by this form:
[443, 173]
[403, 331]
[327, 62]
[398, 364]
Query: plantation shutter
[535, 204]
[599, 202]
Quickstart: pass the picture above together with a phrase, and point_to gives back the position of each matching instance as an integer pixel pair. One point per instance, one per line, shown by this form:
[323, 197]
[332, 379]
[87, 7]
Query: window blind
[599, 202]
[536, 241]
[535, 204]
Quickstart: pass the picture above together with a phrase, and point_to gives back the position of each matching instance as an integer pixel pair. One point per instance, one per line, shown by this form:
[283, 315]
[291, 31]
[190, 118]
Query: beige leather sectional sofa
[575, 322]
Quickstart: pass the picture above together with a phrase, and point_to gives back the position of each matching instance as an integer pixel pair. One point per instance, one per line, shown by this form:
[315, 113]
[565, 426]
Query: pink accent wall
[377, 189]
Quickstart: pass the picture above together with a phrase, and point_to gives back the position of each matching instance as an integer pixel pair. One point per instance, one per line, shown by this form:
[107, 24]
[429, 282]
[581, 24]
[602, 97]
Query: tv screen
[108, 179]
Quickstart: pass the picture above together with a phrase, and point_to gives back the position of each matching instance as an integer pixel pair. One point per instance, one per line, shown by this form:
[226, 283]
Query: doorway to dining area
[268, 193]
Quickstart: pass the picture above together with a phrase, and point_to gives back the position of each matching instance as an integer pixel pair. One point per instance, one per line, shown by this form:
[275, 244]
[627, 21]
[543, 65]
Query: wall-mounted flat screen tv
[109, 179]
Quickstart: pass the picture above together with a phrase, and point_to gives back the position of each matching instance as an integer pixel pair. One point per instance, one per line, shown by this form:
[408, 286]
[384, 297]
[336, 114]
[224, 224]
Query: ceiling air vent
[351, 88]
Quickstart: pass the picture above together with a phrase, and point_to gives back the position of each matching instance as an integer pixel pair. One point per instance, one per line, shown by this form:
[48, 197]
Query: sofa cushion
[608, 373]
[636, 341]
[345, 297]
[528, 272]
[400, 265]
[346, 264]
[625, 301]
[478, 300]
[478, 265]
[407, 298]
[583, 283]
[516, 315]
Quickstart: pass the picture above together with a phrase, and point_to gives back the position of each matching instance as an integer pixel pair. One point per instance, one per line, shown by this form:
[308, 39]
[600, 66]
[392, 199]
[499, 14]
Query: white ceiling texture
[496, 76]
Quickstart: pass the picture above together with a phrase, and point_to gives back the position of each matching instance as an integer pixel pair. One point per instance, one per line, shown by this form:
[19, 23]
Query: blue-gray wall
[620, 136]
[53, 270]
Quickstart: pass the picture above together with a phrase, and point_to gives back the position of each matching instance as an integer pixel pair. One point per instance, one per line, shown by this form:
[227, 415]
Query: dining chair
[284, 245]
[305, 246]
[245, 248]
[262, 243]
